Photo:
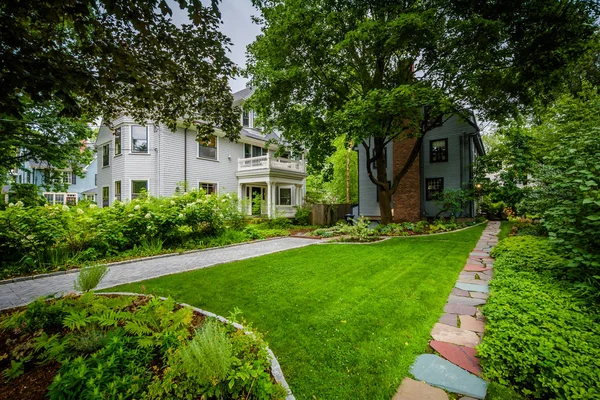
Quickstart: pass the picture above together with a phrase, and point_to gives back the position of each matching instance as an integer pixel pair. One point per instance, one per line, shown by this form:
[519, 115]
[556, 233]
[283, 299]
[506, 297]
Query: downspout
[185, 185]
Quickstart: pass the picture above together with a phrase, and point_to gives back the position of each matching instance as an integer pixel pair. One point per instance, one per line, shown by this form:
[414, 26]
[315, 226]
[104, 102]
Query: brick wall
[407, 199]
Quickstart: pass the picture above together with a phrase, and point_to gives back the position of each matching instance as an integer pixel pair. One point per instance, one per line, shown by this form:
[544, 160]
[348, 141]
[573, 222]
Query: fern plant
[89, 277]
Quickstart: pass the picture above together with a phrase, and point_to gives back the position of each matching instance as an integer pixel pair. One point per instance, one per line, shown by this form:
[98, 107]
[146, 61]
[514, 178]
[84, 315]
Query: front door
[257, 199]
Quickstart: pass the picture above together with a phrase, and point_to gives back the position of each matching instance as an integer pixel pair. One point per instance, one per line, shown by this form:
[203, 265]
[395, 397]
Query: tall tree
[81, 59]
[392, 70]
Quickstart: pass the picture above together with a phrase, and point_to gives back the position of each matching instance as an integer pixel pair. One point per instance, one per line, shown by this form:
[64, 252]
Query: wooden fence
[329, 214]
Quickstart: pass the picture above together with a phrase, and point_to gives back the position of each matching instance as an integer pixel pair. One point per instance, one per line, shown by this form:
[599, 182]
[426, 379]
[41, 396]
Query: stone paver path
[460, 329]
[25, 291]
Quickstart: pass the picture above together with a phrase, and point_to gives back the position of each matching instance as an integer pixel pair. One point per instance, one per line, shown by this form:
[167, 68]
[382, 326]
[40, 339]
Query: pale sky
[237, 25]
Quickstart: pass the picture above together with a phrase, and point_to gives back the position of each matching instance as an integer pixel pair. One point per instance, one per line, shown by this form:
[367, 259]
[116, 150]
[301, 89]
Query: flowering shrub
[35, 239]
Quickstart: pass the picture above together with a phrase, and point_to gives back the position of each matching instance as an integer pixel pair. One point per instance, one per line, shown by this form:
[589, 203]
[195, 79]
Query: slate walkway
[456, 369]
[23, 292]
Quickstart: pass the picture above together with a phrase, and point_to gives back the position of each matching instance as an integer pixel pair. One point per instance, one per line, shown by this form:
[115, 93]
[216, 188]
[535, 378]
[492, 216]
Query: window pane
[439, 150]
[139, 139]
[208, 152]
[105, 161]
[257, 151]
[434, 186]
[285, 196]
[137, 187]
[209, 188]
[247, 150]
[118, 141]
[59, 199]
[245, 118]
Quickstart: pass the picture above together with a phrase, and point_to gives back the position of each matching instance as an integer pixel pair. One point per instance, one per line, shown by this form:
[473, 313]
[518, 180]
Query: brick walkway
[455, 368]
[23, 292]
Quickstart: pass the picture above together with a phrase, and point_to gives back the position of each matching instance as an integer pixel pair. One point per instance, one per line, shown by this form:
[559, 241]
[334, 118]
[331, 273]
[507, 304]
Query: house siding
[367, 191]
[455, 171]
[409, 202]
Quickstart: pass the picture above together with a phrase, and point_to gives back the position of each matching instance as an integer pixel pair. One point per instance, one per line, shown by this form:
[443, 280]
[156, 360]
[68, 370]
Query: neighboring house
[134, 158]
[79, 188]
[445, 162]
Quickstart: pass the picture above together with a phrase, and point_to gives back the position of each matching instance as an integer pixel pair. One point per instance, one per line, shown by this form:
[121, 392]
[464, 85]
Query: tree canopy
[81, 59]
[390, 70]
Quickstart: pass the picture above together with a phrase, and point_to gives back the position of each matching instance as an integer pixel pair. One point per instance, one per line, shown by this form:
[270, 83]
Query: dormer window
[246, 118]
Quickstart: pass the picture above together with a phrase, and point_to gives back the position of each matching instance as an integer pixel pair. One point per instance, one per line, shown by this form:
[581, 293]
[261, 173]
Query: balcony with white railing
[269, 162]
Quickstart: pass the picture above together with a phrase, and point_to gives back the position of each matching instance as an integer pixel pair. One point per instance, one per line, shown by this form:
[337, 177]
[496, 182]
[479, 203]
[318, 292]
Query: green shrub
[302, 217]
[253, 233]
[529, 253]
[89, 277]
[276, 223]
[541, 336]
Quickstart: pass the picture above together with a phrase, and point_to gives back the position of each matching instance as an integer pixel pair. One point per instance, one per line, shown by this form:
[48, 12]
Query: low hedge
[542, 337]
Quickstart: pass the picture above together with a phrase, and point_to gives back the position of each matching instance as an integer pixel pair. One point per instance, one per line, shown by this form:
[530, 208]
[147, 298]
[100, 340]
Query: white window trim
[131, 186]
[218, 146]
[122, 141]
[291, 189]
[115, 191]
[131, 139]
[210, 183]
[102, 196]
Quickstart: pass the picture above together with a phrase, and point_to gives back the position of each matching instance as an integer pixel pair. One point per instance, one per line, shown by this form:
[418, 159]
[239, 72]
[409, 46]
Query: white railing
[268, 162]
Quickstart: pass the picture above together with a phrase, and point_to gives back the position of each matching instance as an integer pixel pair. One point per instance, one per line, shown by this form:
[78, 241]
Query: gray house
[445, 162]
[133, 158]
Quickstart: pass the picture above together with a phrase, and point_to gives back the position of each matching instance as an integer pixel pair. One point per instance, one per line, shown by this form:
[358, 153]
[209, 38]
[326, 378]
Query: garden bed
[132, 346]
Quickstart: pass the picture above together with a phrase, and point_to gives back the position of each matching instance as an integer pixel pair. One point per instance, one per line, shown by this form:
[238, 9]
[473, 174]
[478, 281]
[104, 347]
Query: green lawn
[346, 321]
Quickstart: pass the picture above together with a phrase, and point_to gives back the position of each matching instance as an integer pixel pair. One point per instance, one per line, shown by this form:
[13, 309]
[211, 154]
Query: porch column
[269, 196]
[240, 196]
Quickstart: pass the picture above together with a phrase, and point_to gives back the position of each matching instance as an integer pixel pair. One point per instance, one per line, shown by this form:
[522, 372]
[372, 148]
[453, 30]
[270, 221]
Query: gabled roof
[240, 96]
[258, 135]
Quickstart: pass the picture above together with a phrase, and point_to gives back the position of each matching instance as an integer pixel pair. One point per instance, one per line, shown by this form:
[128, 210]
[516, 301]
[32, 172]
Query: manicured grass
[505, 228]
[346, 321]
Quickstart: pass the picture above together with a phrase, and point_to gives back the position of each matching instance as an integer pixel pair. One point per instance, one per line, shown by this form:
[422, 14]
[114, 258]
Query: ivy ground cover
[345, 320]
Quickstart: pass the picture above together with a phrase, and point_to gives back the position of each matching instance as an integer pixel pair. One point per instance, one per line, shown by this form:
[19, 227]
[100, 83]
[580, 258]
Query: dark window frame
[437, 155]
[246, 118]
[431, 192]
[105, 196]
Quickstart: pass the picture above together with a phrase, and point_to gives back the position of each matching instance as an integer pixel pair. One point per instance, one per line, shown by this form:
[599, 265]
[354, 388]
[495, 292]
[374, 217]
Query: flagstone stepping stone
[474, 268]
[479, 316]
[459, 309]
[464, 357]
[459, 292]
[471, 324]
[483, 277]
[468, 275]
[467, 398]
[473, 281]
[436, 371]
[411, 390]
[465, 300]
[479, 254]
[449, 319]
[450, 334]
[478, 295]
[472, 288]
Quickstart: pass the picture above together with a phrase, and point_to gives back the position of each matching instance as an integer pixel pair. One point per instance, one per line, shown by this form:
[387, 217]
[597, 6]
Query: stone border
[439, 233]
[276, 370]
[116, 263]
